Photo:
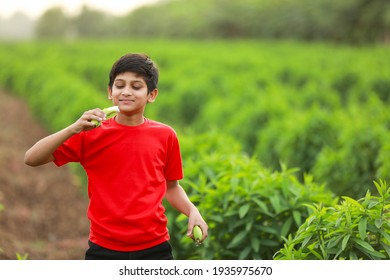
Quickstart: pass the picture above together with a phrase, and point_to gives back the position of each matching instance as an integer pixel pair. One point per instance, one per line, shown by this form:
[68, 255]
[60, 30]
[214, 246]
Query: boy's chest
[127, 150]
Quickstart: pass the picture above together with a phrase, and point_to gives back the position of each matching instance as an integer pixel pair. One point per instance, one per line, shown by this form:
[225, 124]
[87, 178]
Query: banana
[110, 112]
[198, 234]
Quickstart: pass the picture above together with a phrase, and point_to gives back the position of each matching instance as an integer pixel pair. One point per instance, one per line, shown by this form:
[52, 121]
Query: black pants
[162, 251]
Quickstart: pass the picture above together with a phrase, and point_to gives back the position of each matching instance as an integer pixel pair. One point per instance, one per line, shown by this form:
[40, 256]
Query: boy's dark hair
[138, 63]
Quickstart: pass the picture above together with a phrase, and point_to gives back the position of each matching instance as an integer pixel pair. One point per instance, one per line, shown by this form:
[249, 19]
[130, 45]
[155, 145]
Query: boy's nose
[127, 91]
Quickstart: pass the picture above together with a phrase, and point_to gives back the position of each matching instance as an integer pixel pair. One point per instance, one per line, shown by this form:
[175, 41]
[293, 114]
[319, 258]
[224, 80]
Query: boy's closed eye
[135, 86]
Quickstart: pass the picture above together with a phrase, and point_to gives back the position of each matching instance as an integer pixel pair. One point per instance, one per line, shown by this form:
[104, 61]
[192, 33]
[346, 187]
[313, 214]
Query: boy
[132, 163]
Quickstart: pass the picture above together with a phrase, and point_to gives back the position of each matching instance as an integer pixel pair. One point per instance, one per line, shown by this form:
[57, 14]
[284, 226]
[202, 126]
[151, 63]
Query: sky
[35, 8]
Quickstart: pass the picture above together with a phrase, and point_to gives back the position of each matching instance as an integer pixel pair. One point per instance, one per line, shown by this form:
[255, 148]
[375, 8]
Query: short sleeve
[173, 167]
[69, 151]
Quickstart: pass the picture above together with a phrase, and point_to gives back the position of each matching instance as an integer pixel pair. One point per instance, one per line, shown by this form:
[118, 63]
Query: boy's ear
[152, 95]
[109, 91]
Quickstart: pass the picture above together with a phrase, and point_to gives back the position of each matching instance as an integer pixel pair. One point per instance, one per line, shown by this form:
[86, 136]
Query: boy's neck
[132, 120]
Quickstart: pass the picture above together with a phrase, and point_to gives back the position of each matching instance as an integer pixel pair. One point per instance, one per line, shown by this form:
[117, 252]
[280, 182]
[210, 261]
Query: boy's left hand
[195, 219]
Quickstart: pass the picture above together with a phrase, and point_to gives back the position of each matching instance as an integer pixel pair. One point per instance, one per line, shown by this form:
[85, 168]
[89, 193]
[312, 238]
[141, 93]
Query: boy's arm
[42, 152]
[178, 198]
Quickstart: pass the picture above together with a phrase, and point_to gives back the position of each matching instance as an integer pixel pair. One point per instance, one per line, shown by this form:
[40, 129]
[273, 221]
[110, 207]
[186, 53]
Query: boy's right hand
[84, 122]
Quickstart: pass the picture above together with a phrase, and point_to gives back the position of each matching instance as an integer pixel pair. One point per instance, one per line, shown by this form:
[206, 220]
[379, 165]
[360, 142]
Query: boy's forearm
[42, 152]
[177, 197]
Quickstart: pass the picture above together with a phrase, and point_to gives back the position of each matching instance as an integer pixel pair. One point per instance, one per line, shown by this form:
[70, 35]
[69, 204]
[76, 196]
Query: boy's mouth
[126, 100]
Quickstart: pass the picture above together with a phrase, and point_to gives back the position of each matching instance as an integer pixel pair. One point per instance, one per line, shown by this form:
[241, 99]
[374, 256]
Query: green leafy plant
[353, 229]
[248, 208]
[354, 161]
[21, 257]
[304, 136]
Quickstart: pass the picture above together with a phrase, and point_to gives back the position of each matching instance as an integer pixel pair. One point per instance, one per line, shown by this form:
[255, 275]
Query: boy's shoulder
[159, 125]
[160, 128]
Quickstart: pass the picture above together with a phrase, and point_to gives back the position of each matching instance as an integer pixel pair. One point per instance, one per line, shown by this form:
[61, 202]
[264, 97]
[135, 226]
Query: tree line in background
[347, 21]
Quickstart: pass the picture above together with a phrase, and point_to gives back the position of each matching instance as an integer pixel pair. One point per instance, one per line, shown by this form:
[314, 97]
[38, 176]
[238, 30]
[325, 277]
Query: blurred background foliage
[351, 21]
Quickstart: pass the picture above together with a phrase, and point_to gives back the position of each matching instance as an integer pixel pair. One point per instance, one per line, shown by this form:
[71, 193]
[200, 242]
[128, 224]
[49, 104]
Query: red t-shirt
[127, 169]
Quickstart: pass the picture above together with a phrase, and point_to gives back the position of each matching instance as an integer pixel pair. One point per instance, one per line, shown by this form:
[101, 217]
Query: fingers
[95, 114]
[204, 228]
[89, 119]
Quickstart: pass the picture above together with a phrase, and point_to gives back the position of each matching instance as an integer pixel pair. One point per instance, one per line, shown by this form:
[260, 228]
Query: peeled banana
[110, 112]
[198, 234]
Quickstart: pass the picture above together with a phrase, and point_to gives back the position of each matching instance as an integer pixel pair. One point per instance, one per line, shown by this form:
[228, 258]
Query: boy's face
[130, 92]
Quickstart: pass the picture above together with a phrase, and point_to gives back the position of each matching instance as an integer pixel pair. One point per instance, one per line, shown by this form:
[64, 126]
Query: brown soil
[44, 215]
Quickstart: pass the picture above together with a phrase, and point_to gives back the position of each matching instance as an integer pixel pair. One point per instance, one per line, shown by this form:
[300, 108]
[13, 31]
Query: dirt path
[44, 212]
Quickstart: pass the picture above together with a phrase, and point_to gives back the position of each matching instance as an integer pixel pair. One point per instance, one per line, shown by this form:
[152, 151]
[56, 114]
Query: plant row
[246, 112]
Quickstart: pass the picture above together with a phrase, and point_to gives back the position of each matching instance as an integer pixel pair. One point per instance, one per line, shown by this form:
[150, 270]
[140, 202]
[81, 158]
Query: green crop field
[265, 127]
